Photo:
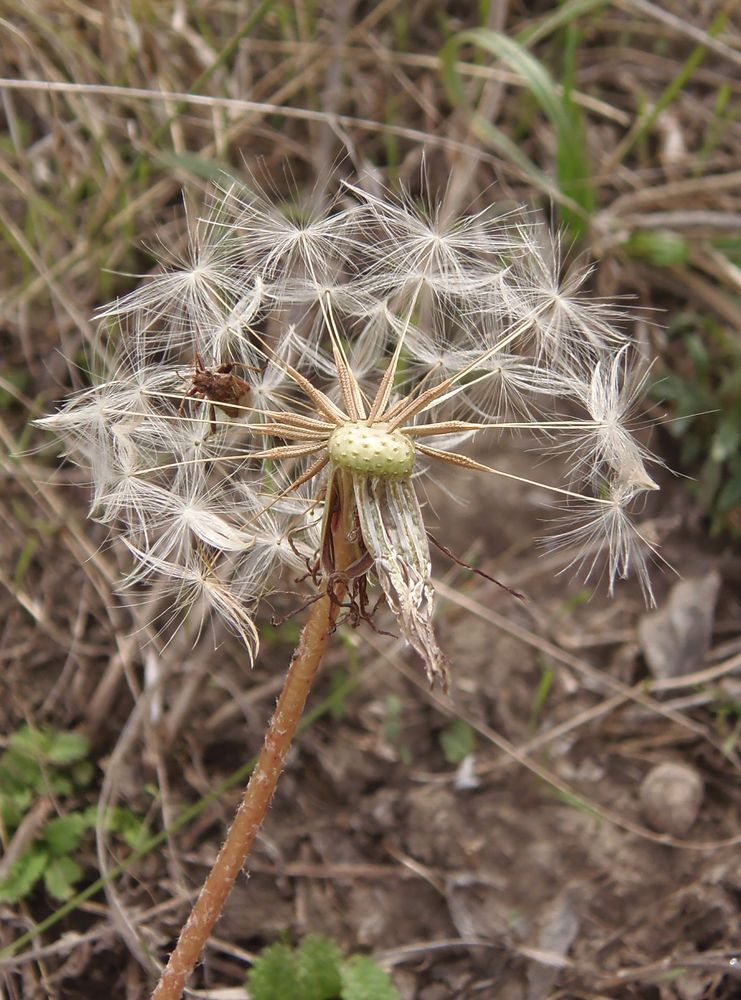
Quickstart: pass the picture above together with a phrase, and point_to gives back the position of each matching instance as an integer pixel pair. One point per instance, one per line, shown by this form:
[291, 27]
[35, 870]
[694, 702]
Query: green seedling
[317, 970]
[457, 741]
[45, 765]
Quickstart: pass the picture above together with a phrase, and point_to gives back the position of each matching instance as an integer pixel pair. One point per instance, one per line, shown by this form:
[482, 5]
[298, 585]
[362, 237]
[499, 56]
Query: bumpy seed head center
[372, 449]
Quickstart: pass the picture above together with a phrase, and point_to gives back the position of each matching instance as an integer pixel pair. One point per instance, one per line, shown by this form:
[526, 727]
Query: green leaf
[129, 825]
[23, 876]
[364, 979]
[457, 741]
[63, 834]
[61, 785]
[274, 975]
[660, 247]
[14, 808]
[18, 777]
[67, 748]
[318, 961]
[61, 876]
[29, 742]
[83, 773]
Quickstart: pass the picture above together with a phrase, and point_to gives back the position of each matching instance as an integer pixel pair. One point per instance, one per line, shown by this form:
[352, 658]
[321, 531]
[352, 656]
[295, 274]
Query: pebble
[671, 796]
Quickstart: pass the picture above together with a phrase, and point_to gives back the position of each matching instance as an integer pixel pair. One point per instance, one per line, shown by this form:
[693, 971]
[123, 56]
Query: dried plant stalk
[261, 787]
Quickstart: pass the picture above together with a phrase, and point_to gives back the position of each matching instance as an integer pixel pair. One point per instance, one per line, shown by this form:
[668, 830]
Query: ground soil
[481, 879]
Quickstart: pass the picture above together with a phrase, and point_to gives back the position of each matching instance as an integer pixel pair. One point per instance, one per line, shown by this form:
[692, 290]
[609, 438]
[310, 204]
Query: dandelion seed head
[292, 372]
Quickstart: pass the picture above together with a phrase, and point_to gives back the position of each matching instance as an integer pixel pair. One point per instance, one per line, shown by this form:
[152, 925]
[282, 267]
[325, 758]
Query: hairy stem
[259, 791]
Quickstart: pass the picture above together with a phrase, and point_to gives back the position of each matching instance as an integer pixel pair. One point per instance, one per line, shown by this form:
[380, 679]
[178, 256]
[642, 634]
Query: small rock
[676, 638]
[671, 795]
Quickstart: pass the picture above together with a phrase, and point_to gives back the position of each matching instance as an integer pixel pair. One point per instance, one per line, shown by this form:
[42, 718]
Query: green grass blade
[509, 150]
[572, 161]
[566, 14]
[574, 170]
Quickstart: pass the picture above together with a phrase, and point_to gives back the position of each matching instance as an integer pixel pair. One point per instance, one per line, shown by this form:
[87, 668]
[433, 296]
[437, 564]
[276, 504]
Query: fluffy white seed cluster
[375, 337]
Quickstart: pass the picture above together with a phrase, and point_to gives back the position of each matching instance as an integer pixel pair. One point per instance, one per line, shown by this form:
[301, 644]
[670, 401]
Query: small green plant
[317, 970]
[457, 741]
[703, 389]
[46, 763]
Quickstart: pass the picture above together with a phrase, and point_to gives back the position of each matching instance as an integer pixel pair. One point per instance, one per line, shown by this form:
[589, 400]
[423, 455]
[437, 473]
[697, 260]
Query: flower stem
[260, 789]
